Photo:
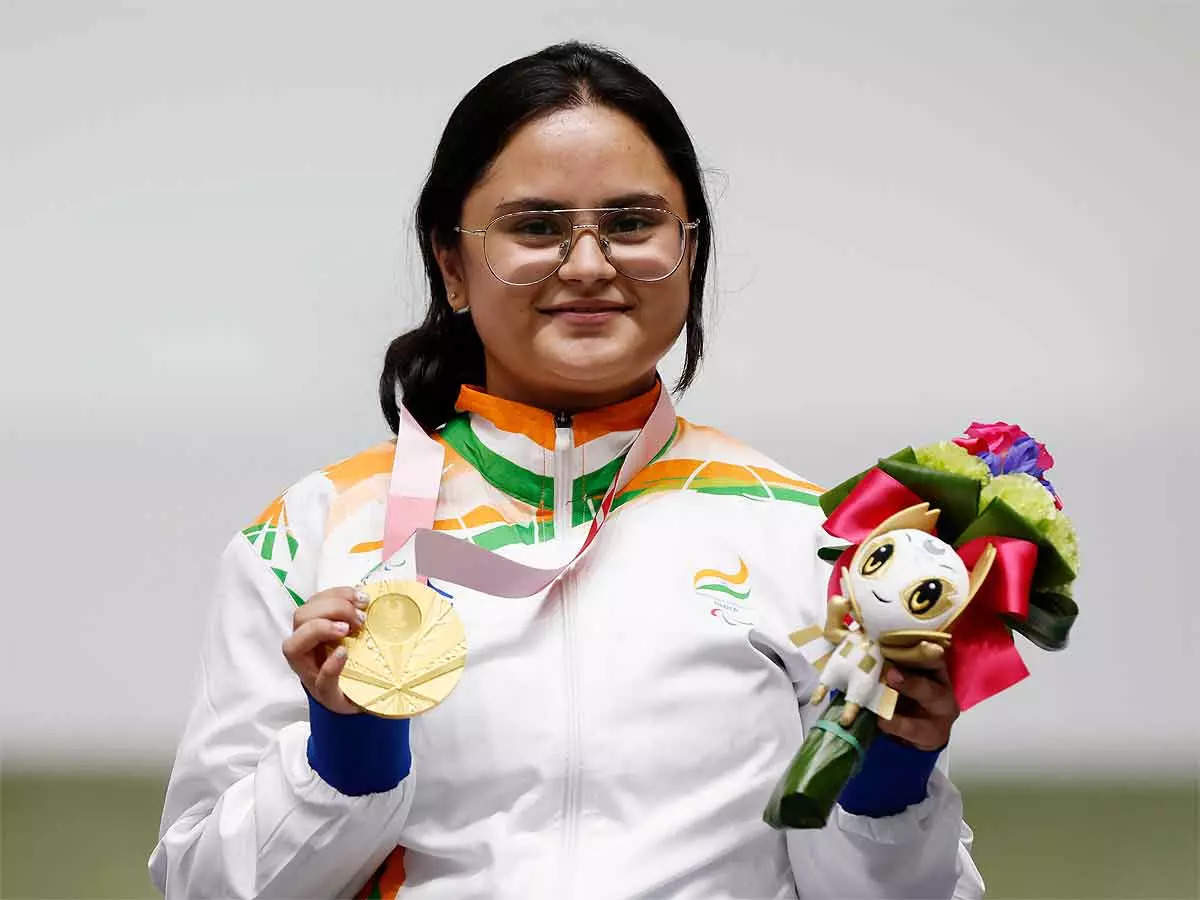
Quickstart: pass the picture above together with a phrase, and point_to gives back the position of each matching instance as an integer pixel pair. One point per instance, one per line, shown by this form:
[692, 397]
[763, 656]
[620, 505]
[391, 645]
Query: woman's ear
[450, 263]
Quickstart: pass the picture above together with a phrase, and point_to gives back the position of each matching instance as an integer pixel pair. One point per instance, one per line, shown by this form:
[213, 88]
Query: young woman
[617, 733]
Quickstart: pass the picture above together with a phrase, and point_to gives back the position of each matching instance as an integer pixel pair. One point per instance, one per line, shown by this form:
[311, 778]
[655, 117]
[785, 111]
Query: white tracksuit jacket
[616, 735]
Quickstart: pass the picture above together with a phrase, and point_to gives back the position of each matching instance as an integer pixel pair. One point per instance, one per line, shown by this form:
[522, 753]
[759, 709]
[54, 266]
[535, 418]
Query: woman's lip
[582, 318]
[599, 310]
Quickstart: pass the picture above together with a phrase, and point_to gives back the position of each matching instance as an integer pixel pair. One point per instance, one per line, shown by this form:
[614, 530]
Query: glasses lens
[646, 244]
[525, 247]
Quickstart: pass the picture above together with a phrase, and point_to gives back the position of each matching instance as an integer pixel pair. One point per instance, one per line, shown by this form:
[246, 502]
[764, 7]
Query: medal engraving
[409, 654]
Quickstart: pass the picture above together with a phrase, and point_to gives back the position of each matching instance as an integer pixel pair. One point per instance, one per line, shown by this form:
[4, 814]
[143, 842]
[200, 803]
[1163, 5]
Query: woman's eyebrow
[637, 198]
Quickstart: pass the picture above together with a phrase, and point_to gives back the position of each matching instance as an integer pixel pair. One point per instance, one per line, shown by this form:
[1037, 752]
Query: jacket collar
[519, 449]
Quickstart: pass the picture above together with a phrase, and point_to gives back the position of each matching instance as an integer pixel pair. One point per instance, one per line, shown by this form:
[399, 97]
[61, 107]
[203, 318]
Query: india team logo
[728, 592]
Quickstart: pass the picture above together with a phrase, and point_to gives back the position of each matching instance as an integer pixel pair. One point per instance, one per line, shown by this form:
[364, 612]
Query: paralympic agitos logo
[728, 592]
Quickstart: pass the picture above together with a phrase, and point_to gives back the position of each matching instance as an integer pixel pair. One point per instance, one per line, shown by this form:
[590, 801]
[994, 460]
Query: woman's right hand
[311, 649]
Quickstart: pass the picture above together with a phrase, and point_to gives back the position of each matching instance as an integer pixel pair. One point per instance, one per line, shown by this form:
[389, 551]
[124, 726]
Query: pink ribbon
[412, 499]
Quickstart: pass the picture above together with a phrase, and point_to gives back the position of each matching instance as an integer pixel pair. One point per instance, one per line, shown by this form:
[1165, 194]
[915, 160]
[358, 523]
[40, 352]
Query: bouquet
[948, 549]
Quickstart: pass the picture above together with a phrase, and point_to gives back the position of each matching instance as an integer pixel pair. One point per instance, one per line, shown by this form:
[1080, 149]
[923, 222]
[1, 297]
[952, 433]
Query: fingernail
[341, 626]
[360, 599]
[339, 652]
[362, 616]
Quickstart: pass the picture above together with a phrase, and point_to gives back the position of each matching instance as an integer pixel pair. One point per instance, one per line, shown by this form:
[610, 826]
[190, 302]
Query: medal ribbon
[413, 489]
[412, 497]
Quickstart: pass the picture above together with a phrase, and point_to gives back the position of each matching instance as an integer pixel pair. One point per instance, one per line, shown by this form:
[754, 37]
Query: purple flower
[1007, 449]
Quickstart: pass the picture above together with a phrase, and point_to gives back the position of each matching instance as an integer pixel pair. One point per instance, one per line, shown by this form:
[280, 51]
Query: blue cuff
[893, 777]
[357, 754]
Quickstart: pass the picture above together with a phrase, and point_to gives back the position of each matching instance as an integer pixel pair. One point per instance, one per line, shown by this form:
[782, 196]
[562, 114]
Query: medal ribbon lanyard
[411, 545]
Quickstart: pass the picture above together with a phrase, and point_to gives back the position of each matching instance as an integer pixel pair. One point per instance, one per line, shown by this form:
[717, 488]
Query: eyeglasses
[643, 243]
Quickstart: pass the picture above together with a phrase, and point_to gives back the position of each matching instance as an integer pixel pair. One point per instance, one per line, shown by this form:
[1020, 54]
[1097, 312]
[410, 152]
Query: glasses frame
[685, 227]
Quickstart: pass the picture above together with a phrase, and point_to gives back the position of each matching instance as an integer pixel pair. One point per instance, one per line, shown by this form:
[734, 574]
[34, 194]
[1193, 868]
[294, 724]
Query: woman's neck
[567, 400]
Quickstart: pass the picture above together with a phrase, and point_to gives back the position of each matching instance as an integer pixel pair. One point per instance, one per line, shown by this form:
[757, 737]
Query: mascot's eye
[925, 595]
[878, 558]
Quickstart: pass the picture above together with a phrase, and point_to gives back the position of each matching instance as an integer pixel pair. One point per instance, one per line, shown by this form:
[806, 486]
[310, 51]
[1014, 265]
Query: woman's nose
[586, 260]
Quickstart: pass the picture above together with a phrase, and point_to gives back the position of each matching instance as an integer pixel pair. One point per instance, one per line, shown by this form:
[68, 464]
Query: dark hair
[434, 360]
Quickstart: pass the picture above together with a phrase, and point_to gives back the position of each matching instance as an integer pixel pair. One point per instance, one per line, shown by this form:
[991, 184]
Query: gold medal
[409, 654]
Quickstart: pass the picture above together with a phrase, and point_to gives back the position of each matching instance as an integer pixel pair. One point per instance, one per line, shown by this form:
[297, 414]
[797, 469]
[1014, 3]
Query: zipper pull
[562, 420]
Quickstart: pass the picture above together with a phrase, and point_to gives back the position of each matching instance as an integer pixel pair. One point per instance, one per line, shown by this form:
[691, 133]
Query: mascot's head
[905, 578]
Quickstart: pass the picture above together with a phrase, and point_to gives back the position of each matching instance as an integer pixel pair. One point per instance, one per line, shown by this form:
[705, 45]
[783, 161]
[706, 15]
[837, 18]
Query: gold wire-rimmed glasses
[641, 242]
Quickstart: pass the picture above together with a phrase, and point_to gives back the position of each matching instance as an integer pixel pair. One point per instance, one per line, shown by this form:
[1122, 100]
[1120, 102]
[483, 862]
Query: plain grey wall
[926, 213]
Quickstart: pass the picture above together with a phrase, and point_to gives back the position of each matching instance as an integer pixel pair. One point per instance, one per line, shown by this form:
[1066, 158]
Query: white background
[926, 213]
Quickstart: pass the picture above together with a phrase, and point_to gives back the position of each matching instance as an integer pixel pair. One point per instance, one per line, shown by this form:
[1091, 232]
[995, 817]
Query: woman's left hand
[926, 708]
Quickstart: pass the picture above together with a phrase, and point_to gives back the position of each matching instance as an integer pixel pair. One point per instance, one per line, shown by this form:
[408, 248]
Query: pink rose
[997, 438]
[1006, 449]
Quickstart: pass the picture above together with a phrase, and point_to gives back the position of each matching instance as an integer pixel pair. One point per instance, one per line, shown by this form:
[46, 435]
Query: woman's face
[535, 351]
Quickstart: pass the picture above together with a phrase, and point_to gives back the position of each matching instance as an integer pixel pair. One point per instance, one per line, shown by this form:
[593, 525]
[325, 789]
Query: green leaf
[1049, 622]
[957, 496]
[835, 495]
[1001, 520]
[831, 554]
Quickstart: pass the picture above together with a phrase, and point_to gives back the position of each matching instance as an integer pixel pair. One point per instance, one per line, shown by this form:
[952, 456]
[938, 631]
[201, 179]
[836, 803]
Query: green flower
[1060, 532]
[1033, 503]
[946, 456]
[1023, 493]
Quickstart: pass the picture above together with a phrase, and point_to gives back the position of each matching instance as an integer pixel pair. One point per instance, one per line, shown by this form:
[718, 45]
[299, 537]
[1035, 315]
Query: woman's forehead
[583, 157]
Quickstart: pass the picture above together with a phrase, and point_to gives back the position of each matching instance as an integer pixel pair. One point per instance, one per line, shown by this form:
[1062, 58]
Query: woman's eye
[528, 227]
[537, 227]
[878, 558]
[925, 595]
[628, 224]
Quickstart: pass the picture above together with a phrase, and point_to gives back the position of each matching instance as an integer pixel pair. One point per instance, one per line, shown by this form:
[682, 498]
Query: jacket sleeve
[921, 851]
[246, 814]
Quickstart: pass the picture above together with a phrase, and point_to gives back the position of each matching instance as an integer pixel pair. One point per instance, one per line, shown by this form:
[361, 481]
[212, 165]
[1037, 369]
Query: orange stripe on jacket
[628, 415]
[508, 415]
[274, 513]
[393, 875]
[374, 461]
[387, 879]
[538, 424]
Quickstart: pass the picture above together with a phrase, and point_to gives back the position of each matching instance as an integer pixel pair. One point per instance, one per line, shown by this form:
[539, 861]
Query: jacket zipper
[571, 762]
[564, 446]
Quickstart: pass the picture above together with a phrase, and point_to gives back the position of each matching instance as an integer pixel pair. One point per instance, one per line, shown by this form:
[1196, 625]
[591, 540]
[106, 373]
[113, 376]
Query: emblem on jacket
[728, 592]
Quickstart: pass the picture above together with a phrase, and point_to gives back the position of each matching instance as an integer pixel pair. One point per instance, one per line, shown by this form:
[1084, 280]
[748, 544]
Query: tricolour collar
[515, 446]
[538, 424]
[411, 547]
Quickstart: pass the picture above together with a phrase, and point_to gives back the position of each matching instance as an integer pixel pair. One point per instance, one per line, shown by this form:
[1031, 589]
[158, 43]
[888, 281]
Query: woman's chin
[585, 358]
[595, 358]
